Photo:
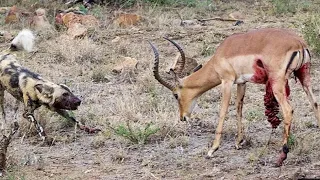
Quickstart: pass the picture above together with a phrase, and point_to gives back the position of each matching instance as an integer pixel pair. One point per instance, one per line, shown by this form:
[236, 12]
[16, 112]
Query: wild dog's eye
[65, 94]
[176, 96]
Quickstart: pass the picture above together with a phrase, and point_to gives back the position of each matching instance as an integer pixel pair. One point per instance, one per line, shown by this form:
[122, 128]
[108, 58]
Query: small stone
[127, 63]
[40, 21]
[12, 16]
[126, 19]
[77, 30]
[236, 15]
[115, 40]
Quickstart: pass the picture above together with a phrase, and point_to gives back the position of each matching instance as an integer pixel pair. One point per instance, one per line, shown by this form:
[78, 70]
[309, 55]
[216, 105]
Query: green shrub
[137, 135]
[311, 33]
[291, 140]
[285, 6]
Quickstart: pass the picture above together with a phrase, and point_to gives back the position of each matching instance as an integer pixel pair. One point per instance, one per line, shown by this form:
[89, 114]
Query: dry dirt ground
[178, 150]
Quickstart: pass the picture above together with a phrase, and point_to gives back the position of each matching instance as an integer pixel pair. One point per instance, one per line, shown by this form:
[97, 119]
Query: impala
[265, 56]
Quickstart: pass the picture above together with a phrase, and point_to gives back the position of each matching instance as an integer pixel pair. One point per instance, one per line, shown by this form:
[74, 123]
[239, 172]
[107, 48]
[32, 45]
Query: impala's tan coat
[264, 56]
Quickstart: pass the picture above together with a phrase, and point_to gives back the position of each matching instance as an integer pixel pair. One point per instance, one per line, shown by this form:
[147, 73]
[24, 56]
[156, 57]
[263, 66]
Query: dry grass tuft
[81, 51]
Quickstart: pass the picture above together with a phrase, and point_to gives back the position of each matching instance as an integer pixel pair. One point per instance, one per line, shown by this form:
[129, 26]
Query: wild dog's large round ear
[65, 87]
[43, 89]
[39, 87]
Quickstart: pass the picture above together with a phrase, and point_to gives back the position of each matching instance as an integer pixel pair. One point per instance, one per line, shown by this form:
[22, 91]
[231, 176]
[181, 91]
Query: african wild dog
[34, 91]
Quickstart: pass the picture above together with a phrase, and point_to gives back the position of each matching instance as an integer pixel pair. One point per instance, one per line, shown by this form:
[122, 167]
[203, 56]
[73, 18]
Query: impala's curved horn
[180, 64]
[156, 69]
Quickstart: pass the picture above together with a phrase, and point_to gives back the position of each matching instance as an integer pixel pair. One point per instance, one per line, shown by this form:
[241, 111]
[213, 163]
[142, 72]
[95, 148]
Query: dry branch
[218, 19]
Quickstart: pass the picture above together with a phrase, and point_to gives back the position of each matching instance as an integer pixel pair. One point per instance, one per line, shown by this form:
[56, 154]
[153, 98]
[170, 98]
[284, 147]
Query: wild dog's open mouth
[66, 106]
[72, 104]
[73, 108]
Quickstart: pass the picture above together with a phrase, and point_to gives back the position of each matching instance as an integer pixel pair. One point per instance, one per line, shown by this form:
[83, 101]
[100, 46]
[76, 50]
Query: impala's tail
[23, 41]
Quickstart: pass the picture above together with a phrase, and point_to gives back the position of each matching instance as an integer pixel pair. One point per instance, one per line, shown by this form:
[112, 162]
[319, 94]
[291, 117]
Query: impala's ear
[172, 73]
[176, 78]
[197, 68]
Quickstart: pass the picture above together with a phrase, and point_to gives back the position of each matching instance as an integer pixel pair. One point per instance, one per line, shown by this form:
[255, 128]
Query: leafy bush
[138, 135]
[311, 33]
[284, 6]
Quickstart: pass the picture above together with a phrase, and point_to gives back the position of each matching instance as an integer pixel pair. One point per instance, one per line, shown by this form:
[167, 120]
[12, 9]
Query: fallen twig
[218, 19]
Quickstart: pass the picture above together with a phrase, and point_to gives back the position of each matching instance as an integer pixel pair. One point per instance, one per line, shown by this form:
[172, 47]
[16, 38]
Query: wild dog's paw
[48, 141]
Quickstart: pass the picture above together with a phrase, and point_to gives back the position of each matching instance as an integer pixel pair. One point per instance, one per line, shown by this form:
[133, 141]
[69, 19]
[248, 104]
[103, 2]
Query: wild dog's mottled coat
[34, 91]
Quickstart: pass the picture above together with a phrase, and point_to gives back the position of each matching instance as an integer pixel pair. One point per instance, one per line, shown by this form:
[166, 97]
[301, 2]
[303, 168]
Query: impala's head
[184, 95]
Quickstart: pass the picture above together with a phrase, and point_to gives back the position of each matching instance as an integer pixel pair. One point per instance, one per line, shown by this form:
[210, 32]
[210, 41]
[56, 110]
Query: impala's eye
[176, 96]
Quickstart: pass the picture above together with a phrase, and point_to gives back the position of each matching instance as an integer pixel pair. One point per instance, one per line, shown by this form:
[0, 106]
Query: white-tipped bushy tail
[23, 41]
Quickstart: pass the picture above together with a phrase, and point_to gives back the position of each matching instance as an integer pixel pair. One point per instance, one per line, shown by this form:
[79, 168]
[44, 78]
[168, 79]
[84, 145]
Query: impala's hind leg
[303, 74]
[280, 93]
[241, 88]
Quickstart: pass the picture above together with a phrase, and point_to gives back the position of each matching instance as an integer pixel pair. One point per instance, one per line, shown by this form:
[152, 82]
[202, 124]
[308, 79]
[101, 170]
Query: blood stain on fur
[260, 74]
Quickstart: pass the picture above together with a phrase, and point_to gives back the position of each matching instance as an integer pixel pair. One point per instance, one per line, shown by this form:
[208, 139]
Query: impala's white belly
[243, 78]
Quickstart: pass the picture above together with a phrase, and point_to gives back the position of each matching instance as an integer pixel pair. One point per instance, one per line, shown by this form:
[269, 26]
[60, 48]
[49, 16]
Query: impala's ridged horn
[156, 69]
[180, 64]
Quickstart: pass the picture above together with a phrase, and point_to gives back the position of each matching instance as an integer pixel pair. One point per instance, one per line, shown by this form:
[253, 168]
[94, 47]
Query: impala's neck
[202, 80]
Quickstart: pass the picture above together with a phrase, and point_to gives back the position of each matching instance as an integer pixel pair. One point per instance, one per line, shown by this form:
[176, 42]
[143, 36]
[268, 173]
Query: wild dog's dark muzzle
[77, 102]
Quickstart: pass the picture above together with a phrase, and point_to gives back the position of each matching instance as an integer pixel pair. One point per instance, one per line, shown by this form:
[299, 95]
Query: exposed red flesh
[260, 74]
[303, 74]
[89, 130]
[272, 106]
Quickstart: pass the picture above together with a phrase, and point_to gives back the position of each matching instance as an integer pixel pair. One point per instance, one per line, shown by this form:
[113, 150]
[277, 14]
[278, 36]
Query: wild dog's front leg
[241, 88]
[30, 106]
[29, 115]
[66, 115]
[2, 108]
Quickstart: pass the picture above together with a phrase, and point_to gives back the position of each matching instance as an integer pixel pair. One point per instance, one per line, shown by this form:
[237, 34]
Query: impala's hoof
[240, 144]
[49, 141]
[211, 151]
[283, 156]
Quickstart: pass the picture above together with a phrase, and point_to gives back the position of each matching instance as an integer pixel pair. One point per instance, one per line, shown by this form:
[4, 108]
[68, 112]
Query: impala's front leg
[241, 88]
[280, 94]
[226, 95]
